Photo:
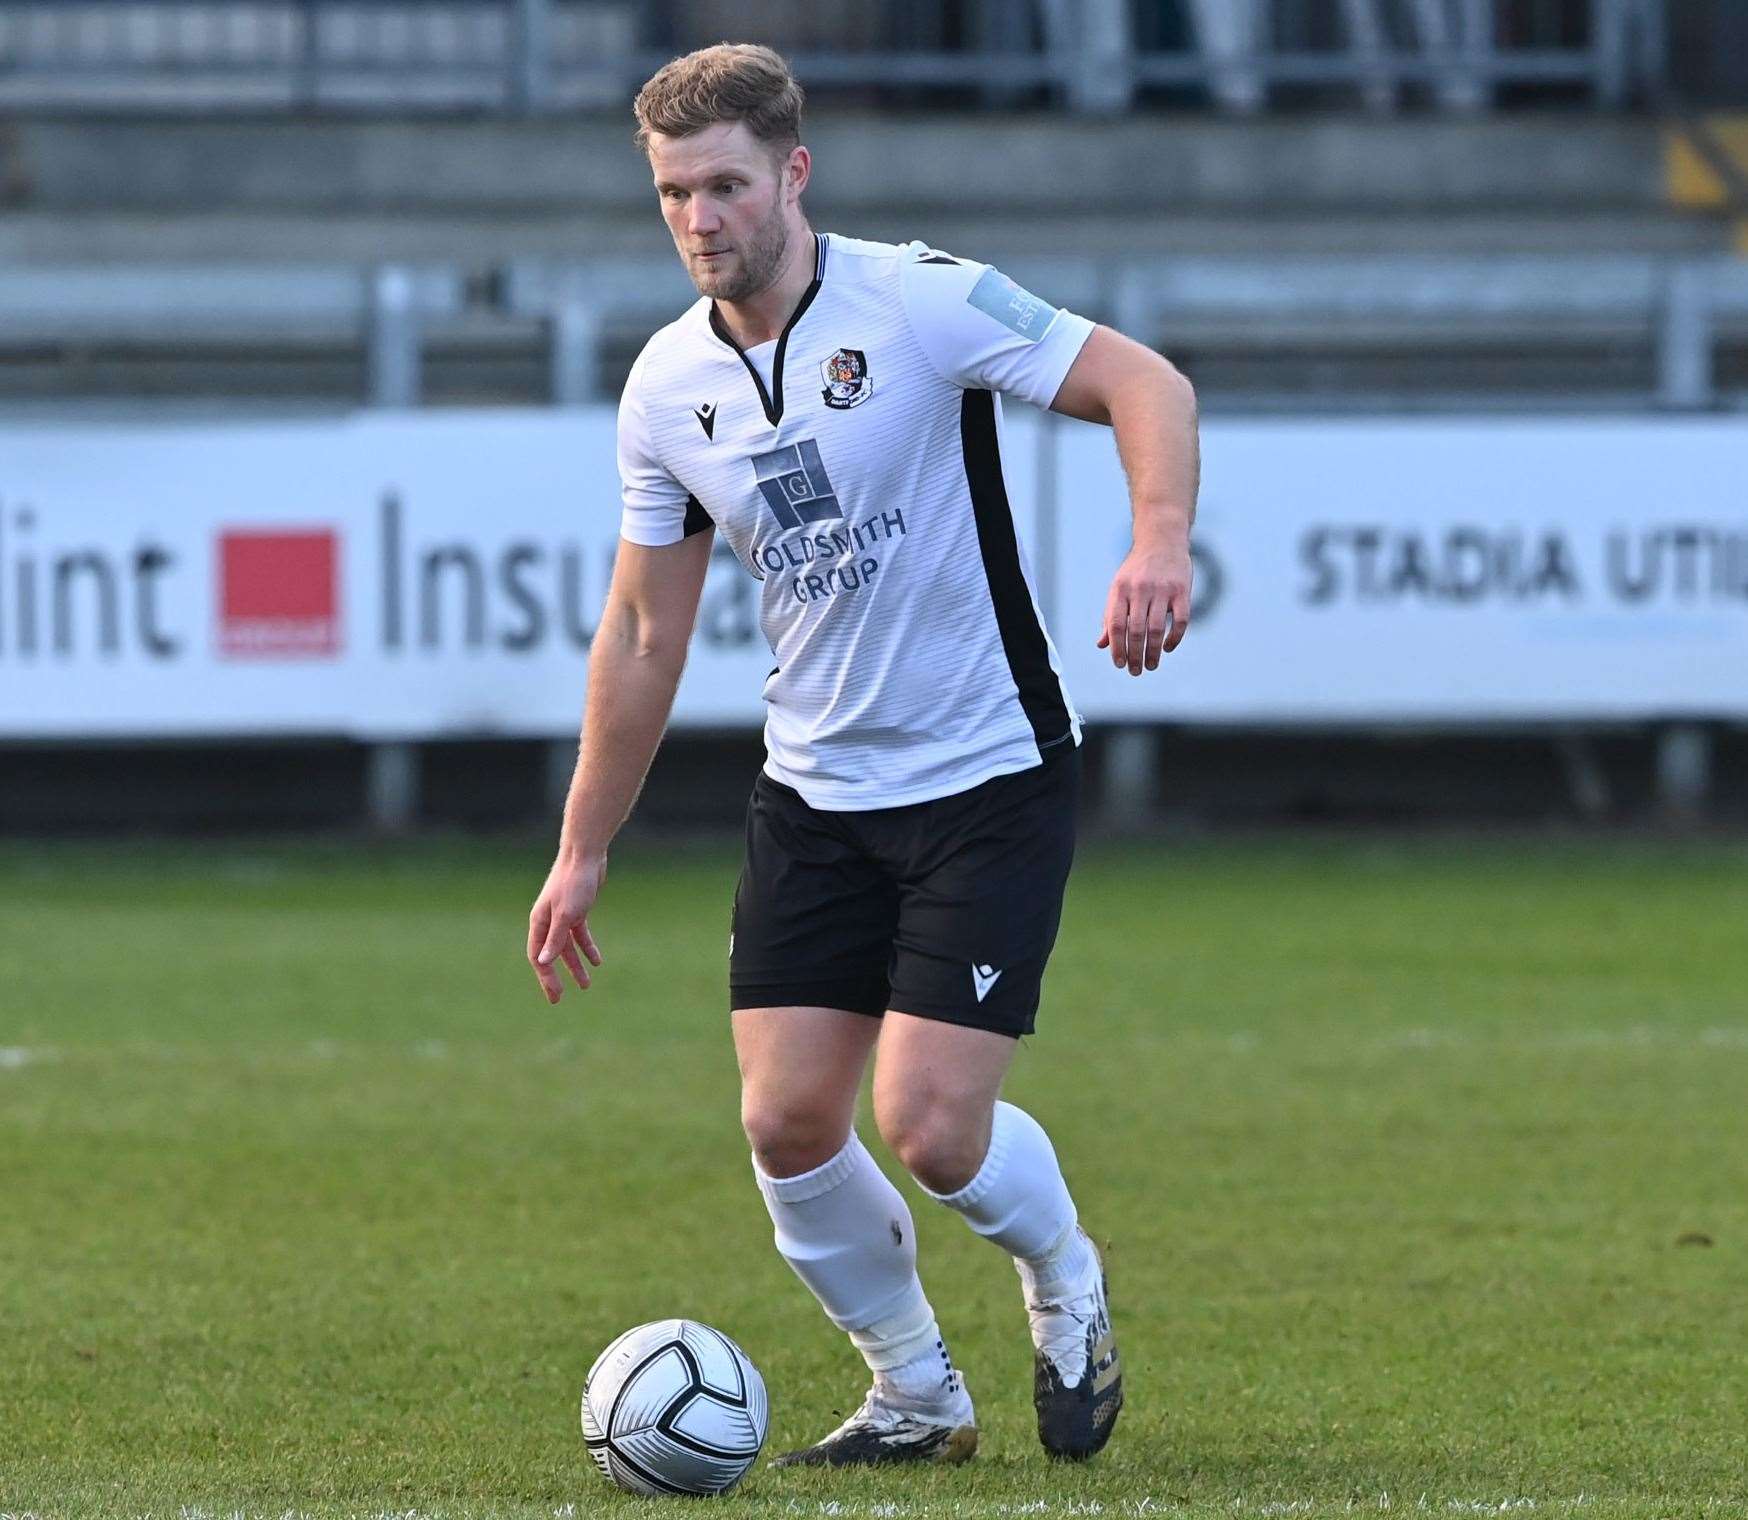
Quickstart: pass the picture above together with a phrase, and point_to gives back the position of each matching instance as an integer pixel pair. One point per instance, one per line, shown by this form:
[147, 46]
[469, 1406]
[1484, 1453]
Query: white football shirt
[863, 486]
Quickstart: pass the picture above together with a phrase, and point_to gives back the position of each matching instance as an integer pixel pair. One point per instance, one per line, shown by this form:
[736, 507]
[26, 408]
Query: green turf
[309, 1203]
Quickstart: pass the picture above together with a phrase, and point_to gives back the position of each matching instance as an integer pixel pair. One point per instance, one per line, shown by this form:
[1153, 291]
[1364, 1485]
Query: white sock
[1019, 1200]
[848, 1234]
[922, 1381]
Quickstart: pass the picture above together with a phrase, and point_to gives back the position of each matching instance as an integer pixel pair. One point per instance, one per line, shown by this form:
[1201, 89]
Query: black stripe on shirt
[1022, 634]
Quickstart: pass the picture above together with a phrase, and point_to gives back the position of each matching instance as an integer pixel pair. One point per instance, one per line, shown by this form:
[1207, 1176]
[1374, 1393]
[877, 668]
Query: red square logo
[279, 593]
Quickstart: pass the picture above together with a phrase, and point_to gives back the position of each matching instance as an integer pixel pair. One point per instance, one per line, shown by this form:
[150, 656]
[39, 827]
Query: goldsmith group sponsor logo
[795, 485]
[831, 561]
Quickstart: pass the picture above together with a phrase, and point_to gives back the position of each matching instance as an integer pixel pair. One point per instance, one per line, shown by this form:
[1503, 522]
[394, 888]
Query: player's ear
[797, 169]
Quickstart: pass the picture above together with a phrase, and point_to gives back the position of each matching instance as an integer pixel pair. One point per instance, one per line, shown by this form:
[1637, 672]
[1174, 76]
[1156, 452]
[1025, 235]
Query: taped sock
[846, 1232]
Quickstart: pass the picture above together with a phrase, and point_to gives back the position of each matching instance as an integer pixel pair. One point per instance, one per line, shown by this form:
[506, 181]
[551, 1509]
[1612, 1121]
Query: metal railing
[387, 310]
[1678, 308]
[1090, 56]
[514, 56]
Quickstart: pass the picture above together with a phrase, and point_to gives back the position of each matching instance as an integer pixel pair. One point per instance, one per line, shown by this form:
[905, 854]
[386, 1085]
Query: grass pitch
[1422, 1164]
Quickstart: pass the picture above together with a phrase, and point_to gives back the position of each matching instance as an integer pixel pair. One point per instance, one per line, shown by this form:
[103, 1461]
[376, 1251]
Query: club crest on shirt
[847, 382]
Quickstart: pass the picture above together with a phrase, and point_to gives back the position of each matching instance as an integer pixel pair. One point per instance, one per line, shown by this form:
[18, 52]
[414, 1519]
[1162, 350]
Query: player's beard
[761, 261]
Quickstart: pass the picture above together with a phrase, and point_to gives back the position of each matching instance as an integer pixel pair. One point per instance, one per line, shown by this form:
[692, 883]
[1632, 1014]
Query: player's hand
[1152, 588]
[558, 926]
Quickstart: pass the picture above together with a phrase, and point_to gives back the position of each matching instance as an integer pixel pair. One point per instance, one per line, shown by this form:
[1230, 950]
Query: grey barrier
[386, 308]
[1682, 305]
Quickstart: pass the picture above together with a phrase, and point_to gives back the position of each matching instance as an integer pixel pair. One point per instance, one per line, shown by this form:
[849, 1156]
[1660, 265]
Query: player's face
[728, 201]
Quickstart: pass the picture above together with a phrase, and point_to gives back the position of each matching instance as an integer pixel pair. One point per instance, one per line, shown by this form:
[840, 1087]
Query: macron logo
[706, 416]
[982, 979]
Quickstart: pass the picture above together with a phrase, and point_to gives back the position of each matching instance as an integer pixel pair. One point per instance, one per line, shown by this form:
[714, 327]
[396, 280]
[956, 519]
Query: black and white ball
[674, 1407]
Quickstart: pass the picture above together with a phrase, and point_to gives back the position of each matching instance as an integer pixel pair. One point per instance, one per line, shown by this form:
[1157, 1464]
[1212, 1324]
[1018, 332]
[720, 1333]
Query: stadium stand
[1093, 56]
[155, 134]
[1329, 260]
[144, 133]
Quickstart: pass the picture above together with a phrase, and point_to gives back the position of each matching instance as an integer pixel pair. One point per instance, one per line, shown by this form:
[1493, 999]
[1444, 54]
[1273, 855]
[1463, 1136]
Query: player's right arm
[635, 663]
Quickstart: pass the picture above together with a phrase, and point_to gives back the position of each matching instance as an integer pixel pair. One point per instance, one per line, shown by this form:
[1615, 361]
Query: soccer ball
[674, 1407]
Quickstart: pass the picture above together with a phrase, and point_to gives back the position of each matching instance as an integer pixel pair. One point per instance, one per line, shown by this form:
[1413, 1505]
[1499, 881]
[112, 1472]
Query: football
[674, 1407]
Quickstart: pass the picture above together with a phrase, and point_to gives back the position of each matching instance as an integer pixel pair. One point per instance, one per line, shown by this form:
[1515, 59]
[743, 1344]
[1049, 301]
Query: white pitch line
[1146, 1508]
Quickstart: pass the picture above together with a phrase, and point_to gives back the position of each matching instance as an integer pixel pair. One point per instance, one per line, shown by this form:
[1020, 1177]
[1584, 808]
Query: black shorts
[945, 909]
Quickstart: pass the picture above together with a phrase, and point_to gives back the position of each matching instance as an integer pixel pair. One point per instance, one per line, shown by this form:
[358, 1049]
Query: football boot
[1077, 1380]
[882, 1432]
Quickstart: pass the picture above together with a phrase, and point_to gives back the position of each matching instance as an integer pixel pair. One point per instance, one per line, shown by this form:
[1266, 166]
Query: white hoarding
[389, 575]
[1432, 570]
[429, 573]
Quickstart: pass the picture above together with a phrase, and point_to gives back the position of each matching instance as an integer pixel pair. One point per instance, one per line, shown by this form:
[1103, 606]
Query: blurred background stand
[526, 57]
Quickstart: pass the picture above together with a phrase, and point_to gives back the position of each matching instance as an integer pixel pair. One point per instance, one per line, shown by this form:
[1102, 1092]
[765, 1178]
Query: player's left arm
[1151, 407]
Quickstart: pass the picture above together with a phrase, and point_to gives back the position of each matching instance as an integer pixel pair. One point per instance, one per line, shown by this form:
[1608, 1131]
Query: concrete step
[1019, 165]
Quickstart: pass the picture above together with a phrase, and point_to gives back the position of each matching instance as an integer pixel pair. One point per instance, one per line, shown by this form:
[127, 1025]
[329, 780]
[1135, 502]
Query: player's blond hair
[733, 81]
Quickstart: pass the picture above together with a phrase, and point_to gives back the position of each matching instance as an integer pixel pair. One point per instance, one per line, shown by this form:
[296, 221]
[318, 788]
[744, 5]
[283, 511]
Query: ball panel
[602, 1459]
[758, 1402]
[659, 1457]
[706, 1421]
[606, 1356]
[649, 1390]
[593, 1434]
[632, 1480]
[720, 1362]
[623, 1353]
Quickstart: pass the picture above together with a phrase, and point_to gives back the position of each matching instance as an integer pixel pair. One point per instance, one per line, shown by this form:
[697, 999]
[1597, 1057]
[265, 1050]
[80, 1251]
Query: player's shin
[847, 1233]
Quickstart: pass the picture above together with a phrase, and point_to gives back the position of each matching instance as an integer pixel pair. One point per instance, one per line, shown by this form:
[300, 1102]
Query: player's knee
[934, 1143]
[790, 1137]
